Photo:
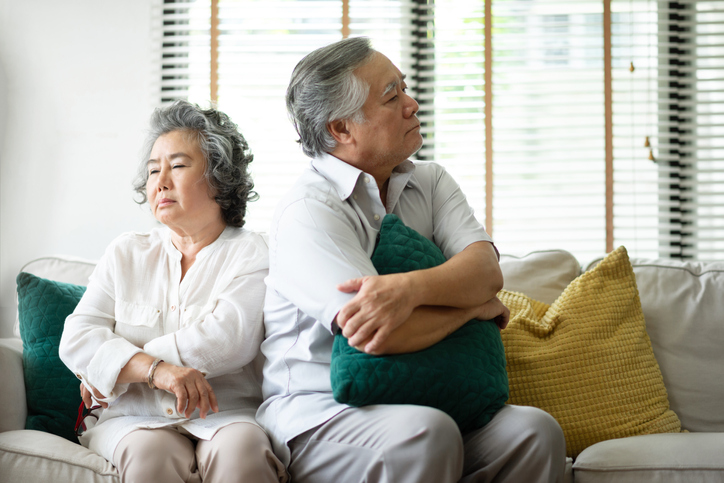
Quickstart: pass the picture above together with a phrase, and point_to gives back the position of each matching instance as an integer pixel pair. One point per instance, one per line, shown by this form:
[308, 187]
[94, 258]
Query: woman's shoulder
[247, 245]
[132, 243]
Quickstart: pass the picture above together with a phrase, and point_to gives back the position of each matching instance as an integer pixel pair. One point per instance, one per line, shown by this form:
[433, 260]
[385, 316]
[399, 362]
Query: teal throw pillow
[463, 375]
[51, 388]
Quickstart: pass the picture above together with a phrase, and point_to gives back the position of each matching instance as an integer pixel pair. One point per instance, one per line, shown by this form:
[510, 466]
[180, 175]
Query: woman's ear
[339, 130]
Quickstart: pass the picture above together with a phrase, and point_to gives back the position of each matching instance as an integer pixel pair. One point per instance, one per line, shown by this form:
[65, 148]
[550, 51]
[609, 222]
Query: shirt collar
[344, 176]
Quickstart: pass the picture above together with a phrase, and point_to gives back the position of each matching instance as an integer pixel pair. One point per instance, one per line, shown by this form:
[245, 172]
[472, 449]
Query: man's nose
[411, 107]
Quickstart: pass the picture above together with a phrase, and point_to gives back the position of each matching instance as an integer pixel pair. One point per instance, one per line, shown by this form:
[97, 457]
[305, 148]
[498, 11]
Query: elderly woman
[166, 338]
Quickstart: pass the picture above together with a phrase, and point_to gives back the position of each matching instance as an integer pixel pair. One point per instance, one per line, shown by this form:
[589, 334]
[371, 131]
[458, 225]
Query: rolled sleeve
[454, 224]
[315, 247]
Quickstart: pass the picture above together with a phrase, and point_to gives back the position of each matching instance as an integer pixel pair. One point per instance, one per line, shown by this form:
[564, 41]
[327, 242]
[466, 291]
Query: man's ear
[339, 130]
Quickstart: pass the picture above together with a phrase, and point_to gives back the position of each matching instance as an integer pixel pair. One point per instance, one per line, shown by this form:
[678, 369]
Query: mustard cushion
[587, 359]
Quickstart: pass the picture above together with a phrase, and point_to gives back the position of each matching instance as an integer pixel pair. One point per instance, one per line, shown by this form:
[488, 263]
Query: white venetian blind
[185, 50]
[450, 88]
[548, 126]
[636, 141]
[260, 42]
[673, 204]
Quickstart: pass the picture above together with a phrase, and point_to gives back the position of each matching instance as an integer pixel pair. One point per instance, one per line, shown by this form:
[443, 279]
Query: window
[575, 124]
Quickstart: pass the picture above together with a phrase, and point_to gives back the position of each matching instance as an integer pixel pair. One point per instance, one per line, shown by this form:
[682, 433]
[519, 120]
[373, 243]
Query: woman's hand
[190, 387]
[88, 397]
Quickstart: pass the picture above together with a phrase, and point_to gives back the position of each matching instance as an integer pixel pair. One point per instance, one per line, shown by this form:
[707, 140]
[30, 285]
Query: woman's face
[177, 191]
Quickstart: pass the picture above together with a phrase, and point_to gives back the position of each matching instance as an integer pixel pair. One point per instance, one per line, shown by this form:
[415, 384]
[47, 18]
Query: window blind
[548, 126]
[548, 112]
[185, 50]
[669, 195]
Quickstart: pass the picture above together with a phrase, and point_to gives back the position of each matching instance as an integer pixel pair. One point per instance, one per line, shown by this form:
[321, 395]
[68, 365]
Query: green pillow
[51, 389]
[463, 375]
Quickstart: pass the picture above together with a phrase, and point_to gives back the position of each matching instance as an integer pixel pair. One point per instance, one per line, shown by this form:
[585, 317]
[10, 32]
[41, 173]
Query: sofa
[683, 307]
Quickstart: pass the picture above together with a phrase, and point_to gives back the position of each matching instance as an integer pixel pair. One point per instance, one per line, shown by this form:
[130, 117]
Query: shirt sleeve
[89, 346]
[315, 247]
[454, 223]
[226, 339]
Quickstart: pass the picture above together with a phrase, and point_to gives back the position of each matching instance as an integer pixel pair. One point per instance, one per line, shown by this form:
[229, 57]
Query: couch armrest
[12, 396]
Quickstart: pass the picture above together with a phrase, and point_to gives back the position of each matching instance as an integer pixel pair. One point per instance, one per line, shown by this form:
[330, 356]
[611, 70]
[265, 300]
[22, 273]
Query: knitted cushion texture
[51, 388]
[587, 359]
[463, 375]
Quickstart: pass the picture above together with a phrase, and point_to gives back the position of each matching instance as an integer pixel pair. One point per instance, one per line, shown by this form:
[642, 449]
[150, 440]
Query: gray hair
[323, 88]
[224, 147]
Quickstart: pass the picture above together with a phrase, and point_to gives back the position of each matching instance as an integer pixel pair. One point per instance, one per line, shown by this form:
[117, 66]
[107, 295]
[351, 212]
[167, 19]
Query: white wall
[76, 91]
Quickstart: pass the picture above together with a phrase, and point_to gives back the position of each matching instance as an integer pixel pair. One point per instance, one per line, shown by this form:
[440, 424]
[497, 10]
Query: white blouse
[211, 321]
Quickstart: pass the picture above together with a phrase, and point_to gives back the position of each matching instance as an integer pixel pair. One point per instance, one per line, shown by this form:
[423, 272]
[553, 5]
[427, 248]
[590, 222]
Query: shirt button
[367, 179]
[354, 196]
[169, 411]
[173, 307]
[377, 217]
[79, 376]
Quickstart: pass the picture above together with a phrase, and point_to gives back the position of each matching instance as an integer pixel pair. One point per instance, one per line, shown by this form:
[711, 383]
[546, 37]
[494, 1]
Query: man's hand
[382, 304]
[190, 387]
[494, 310]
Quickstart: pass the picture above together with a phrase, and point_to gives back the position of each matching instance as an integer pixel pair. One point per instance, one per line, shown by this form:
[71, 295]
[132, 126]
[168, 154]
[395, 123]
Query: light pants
[401, 444]
[238, 452]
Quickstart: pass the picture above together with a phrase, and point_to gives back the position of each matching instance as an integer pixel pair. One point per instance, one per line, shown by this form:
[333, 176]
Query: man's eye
[153, 171]
[178, 166]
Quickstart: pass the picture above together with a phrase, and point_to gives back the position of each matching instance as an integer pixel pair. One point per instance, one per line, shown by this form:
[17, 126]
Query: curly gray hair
[224, 147]
[323, 88]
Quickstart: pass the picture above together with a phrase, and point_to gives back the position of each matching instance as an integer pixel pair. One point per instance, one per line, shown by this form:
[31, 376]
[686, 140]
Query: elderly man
[357, 123]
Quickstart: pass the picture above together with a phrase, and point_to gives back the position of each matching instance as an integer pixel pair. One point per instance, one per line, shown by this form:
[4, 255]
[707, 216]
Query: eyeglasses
[83, 413]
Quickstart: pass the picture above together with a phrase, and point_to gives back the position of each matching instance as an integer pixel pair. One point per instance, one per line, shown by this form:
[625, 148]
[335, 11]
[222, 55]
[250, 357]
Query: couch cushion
[51, 389]
[673, 458]
[541, 275]
[587, 359]
[61, 269]
[28, 455]
[12, 395]
[683, 303]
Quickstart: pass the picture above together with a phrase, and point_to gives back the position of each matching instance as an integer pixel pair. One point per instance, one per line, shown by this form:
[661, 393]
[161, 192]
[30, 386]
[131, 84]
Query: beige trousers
[239, 452]
[416, 444]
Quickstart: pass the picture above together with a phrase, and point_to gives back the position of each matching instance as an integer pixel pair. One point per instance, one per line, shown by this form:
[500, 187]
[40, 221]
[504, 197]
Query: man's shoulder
[309, 186]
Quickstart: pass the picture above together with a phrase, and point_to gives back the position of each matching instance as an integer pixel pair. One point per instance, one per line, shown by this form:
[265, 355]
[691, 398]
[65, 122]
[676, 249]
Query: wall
[76, 90]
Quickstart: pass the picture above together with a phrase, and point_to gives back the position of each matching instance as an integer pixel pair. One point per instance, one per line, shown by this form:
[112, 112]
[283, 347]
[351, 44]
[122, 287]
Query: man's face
[391, 131]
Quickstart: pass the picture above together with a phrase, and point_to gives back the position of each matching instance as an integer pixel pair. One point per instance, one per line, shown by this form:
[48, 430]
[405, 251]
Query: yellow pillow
[587, 359]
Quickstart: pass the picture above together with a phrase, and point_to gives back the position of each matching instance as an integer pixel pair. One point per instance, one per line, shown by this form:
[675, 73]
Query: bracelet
[151, 372]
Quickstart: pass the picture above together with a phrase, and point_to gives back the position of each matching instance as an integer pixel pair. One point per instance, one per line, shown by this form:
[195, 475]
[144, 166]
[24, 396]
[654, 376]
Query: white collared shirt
[211, 321]
[323, 233]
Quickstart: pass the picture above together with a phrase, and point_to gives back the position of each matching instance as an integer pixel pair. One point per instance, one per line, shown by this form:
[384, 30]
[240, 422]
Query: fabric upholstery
[683, 303]
[34, 456]
[51, 388]
[587, 359]
[673, 458]
[12, 395]
[541, 275]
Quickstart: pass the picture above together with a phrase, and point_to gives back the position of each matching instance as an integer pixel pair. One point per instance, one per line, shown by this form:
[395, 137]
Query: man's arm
[428, 325]
[467, 281]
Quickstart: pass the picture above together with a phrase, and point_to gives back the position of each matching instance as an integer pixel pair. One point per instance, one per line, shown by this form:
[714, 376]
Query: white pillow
[541, 275]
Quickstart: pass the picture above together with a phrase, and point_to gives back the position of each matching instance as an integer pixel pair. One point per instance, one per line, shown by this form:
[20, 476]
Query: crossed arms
[407, 312]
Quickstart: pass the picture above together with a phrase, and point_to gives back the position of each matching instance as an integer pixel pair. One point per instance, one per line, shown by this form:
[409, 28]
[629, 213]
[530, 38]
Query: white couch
[683, 303]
